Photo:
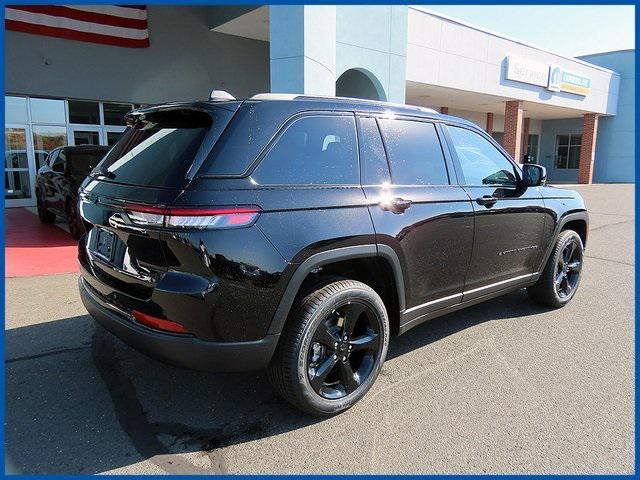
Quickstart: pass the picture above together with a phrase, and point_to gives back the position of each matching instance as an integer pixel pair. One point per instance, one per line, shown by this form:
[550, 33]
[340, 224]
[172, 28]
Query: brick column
[489, 127]
[512, 140]
[525, 138]
[444, 110]
[588, 147]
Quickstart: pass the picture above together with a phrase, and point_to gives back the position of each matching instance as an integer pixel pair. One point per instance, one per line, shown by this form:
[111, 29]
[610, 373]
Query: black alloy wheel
[568, 268]
[560, 278]
[343, 350]
[332, 348]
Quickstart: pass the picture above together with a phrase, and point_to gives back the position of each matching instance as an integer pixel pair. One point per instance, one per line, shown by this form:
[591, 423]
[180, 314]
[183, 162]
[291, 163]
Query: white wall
[184, 62]
[447, 53]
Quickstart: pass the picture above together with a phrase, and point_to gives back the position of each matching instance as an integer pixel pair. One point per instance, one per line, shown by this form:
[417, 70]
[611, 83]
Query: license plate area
[104, 244]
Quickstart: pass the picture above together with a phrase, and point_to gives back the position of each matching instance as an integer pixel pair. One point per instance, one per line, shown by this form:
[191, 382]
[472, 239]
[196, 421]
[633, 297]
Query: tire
[314, 375]
[44, 215]
[561, 275]
[73, 219]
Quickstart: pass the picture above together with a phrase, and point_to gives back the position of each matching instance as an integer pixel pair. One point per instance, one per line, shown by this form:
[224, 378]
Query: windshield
[160, 148]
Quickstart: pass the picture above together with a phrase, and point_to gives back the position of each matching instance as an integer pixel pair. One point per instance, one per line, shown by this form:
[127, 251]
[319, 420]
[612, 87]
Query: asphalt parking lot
[502, 387]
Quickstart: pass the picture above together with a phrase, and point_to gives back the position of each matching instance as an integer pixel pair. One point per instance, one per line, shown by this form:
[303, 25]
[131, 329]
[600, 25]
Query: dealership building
[575, 116]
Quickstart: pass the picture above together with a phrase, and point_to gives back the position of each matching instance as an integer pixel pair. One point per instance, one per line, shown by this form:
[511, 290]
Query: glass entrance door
[18, 168]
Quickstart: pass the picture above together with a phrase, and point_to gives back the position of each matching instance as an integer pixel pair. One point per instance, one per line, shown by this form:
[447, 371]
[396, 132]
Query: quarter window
[481, 163]
[414, 151]
[568, 151]
[314, 150]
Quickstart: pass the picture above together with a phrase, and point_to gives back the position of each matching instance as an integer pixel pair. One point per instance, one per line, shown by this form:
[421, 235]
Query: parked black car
[299, 233]
[58, 180]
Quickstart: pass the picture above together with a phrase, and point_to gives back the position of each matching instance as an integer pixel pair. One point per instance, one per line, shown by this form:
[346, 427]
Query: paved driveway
[505, 386]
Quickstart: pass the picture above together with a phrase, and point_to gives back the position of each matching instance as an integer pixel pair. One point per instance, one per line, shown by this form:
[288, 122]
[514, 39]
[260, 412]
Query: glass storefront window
[113, 137]
[16, 184]
[532, 148]
[45, 139]
[81, 137]
[568, 151]
[84, 112]
[35, 126]
[15, 144]
[16, 164]
[114, 113]
[45, 110]
[15, 110]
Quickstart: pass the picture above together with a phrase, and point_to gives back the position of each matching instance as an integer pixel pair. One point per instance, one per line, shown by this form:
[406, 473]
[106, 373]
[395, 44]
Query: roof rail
[299, 96]
[275, 96]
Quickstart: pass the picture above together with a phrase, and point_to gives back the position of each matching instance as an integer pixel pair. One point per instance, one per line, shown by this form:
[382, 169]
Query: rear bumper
[180, 350]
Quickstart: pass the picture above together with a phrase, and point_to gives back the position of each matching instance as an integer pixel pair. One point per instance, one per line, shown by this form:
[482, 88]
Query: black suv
[298, 233]
[58, 180]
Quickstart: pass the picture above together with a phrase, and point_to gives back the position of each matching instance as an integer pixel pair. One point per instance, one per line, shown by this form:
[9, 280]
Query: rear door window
[159, 150]
[414, 151]
[312, 150]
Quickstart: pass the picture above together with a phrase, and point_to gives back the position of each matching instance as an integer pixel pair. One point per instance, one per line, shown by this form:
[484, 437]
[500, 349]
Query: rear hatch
[128, 192]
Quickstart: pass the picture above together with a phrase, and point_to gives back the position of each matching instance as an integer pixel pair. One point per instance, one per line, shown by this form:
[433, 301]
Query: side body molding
[330, 256]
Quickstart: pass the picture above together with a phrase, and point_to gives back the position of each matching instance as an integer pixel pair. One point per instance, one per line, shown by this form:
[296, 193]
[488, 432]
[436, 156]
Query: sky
[570, 30]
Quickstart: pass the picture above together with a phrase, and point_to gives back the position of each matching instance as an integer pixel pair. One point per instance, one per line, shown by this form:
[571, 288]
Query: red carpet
[33, 248]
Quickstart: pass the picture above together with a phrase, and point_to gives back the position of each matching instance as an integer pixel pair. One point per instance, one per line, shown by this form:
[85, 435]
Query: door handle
[395, 205]
[487, 200]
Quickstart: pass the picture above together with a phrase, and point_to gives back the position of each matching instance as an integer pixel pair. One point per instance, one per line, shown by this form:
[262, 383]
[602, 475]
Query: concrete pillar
[588, 147]
[512, 139]
[525, 138]
[444, 110]
[302, 49]
[489, 127]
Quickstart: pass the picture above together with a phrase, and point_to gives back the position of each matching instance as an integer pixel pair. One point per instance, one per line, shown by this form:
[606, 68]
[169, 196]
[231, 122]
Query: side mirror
[534, 175]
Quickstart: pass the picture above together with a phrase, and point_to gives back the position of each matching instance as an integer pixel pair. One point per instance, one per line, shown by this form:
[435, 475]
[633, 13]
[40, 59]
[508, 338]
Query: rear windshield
[82, 162]
[160, 148]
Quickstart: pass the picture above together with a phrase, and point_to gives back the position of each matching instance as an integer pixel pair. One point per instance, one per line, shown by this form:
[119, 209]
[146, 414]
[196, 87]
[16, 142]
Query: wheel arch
[577, 219]
[335, 257]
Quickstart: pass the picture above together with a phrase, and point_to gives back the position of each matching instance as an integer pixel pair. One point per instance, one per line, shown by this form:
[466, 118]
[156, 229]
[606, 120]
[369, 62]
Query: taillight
[192, 218]
[158, 323]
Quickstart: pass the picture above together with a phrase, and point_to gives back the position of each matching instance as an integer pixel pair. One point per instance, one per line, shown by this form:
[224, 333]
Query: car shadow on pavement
[98, 405]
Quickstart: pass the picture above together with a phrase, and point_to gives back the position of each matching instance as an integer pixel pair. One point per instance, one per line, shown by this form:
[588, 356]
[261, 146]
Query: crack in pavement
[144, 435]
[600, 227]
[54, 351]
[619, 262]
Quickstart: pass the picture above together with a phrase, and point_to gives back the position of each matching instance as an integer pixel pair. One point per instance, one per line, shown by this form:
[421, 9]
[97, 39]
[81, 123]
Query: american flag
[123, 26]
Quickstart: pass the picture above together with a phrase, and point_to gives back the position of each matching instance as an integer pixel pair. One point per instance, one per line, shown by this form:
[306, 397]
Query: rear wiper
[102, 172]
